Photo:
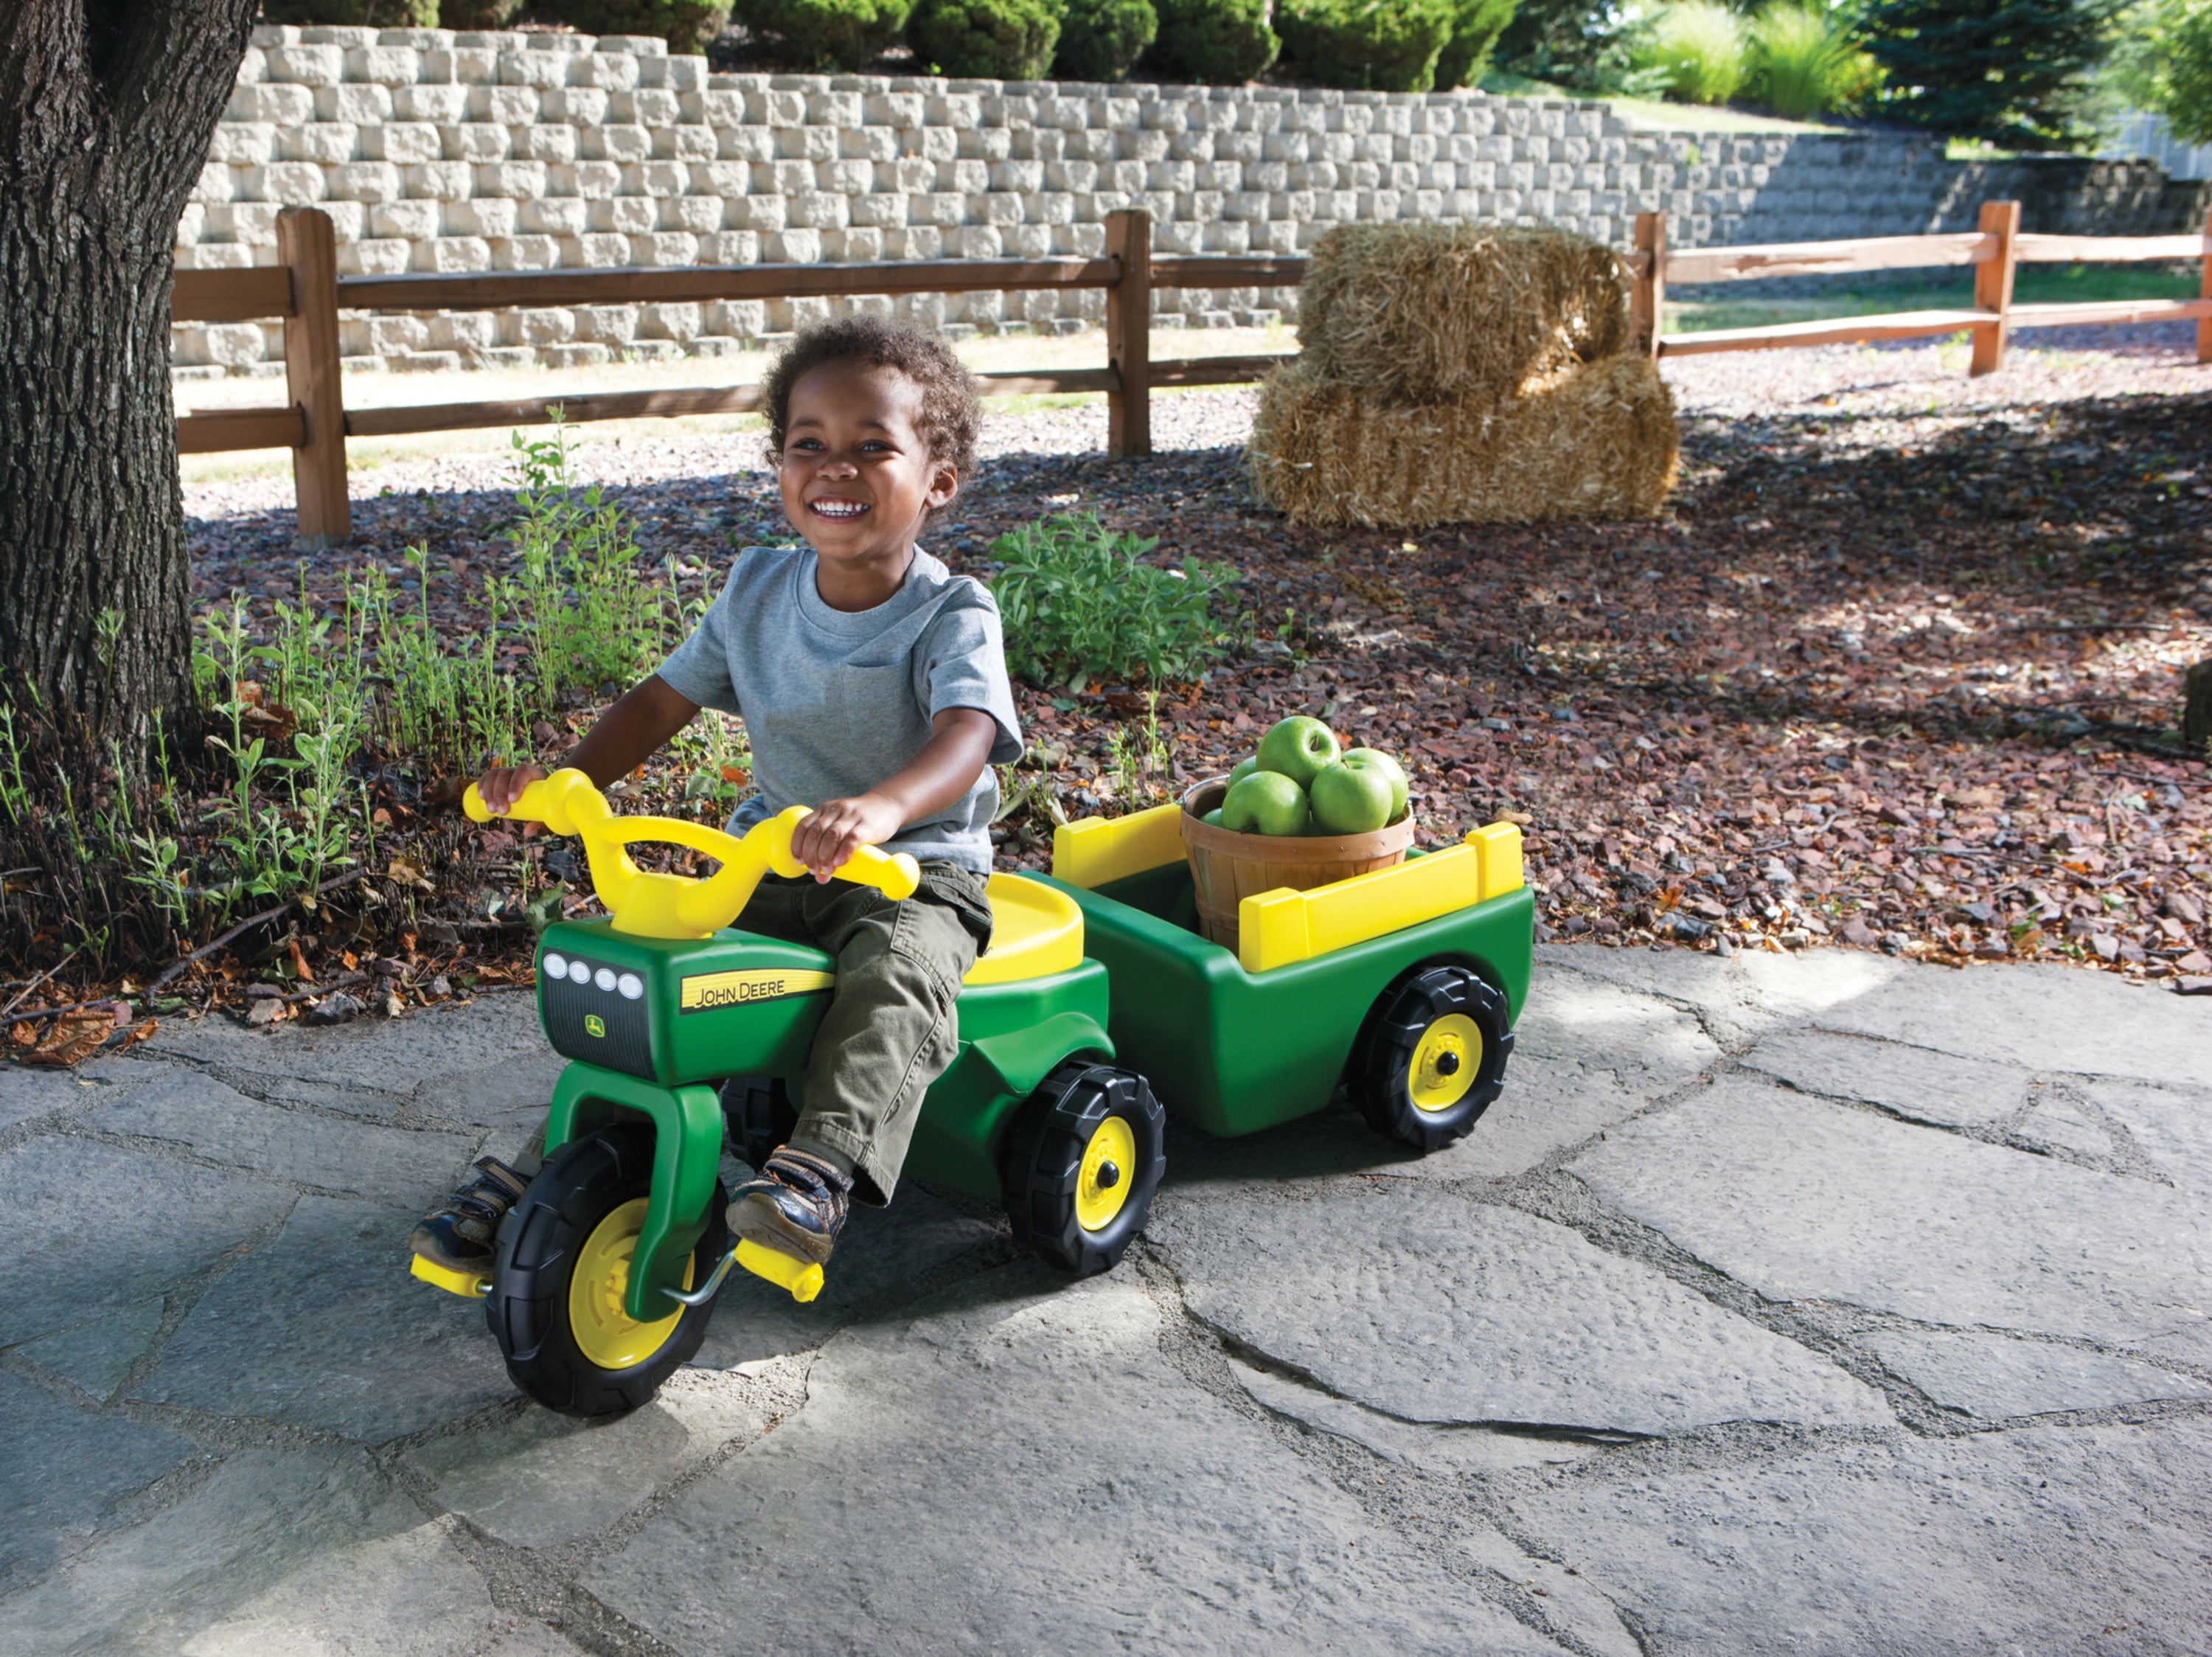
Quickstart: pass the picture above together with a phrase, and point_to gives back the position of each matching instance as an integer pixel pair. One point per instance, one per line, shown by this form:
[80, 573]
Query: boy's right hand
[502, 785]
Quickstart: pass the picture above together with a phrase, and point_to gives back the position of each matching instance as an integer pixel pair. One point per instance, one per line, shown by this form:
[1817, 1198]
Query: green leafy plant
[1697, 51]
[1806, 62]
[1377, 45]
[2162, 62]
[1001, 39]
[1476, 27]
[829, 35]
[1080, 604]
[1103, 40]
[372, 13]
[478, 13]
[1213, 42]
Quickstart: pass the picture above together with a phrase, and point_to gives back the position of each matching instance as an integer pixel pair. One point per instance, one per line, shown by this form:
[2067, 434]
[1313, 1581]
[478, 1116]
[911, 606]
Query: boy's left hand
[826, 841]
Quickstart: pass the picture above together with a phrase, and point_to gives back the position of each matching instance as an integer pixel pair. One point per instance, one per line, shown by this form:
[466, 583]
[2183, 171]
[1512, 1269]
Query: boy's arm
[622, 739]
[959, 746]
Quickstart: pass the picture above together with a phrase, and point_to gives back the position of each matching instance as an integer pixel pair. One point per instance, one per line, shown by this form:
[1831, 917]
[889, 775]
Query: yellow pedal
[469, 1285]
[802, 1277]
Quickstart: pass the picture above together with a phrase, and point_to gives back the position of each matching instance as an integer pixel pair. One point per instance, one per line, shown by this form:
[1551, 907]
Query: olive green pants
[892, 1027]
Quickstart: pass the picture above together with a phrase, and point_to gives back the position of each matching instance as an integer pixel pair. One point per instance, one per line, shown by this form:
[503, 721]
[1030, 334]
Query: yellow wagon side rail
[1280, 929]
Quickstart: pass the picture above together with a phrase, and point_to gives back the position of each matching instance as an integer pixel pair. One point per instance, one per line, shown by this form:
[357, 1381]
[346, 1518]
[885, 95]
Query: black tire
[759, 1117]
[540, 1244]
[1045, 1174]
[1425, 1008]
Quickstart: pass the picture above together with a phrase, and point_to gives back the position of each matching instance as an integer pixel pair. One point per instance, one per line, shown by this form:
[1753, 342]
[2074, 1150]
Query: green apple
[1297, 747]
[1350, 799]
[1376, 759]
[1245, 768]
[1212, 817]
[1265, 802]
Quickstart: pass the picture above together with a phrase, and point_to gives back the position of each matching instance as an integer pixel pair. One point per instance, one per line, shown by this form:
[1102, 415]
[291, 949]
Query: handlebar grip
[892, 873]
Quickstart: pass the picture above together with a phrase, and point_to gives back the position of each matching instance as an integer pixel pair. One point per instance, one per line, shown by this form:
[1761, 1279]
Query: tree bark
[2196, 709]
[107, 109]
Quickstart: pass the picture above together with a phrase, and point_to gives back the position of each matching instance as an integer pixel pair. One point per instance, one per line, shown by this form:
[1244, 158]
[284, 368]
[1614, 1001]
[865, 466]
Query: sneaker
[796, 1207]
[460, 1235]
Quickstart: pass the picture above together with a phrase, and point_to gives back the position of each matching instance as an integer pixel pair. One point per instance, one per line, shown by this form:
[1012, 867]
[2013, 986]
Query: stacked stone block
[438, 151]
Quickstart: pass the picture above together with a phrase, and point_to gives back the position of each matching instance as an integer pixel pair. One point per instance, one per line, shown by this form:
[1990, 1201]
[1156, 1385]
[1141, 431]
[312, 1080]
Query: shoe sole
[757, 1223]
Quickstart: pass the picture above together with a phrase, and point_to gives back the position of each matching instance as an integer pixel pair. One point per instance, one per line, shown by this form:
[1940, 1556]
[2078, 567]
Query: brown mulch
[1899, 667]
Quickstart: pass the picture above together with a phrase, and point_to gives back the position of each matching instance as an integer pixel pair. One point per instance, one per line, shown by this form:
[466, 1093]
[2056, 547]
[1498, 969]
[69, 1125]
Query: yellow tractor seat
[1036, 932]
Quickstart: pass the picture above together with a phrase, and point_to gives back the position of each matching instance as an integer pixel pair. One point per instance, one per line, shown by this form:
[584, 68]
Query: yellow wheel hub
[1109, 1166]
[1445, 1063]
[608, 1337]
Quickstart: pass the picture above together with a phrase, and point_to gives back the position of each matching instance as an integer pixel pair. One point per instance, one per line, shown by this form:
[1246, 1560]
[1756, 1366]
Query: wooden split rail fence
[305, 289]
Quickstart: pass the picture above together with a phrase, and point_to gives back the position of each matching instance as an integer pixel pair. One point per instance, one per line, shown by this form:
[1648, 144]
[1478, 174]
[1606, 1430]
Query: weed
[1080, 604]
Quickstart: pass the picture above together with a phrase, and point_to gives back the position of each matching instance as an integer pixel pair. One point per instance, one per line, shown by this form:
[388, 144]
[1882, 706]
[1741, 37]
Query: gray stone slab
[95, 1228]
[1025, 1472]
[1574, 1602]
[541, 1479]
[2056, 1018]
[62, 1472]
[1996, 1377]
[1452, 1451]
[26, 1094]
[152, 1588]
[200, 1114]
[325, 1329]
[1927, 1087]
[409, 1595]
[2058, 1122]
[1745, 995]
[485, 1038]
[1806, 1200]
[1586, 1054]
[2172, 1126]
[1433, 1308]
[881, 1252]
[98, 1354]
[2043, 1540]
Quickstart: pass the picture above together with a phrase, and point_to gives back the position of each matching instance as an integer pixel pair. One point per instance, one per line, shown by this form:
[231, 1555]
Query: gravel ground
[1899, 667]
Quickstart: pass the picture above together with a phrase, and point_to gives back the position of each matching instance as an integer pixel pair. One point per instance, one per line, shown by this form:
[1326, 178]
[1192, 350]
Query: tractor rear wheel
[1083, 1159]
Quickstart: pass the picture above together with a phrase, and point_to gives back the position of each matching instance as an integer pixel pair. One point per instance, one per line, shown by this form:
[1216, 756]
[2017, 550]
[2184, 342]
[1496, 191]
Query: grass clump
[1696, 51]
[1081, 605]
[1805, 62]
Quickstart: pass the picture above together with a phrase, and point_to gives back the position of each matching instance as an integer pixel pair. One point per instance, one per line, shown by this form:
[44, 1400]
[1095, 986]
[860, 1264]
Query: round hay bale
[1594, 441]
[1434, 312]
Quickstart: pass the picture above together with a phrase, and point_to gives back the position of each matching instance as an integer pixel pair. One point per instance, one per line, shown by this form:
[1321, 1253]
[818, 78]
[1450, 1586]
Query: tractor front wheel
[556, 1305]
[1082, 1161]
[1432, 1057]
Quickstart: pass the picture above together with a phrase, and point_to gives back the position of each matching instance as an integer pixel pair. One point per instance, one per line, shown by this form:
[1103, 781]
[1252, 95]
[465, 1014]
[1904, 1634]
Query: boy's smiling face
[858, 478]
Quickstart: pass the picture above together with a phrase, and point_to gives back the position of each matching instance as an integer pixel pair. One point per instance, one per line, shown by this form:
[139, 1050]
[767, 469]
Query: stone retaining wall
[450, 152]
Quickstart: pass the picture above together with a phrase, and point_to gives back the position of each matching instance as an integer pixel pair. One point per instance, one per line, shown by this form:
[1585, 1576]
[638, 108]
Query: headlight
[579, 973]
[556, 967]
[631, 986]
[605, 977]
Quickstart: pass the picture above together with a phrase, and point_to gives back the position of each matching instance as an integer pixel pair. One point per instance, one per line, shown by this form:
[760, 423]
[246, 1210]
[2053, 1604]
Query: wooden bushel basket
[1227, 867]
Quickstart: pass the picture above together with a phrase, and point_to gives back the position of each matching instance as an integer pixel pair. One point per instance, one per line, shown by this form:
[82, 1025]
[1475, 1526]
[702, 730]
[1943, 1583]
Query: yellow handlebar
[656, 905]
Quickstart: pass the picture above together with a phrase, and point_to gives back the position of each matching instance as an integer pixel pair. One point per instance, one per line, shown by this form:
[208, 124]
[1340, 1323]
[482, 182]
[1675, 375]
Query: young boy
[873, 686]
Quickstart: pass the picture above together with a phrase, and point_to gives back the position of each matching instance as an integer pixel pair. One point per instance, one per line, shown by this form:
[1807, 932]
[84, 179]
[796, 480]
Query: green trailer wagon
[1096, 1010]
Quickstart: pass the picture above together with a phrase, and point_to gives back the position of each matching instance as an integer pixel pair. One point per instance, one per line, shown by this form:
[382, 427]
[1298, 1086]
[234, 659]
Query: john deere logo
[715, 990]
[594, 1025]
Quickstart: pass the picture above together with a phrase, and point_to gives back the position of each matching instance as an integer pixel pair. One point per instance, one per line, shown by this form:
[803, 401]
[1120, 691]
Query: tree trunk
[2196, 709]
[107, 109]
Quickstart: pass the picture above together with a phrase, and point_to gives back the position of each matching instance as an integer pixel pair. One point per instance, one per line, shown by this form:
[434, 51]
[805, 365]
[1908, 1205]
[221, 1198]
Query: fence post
[1993, 284]
[2204, 291]
[1129, 333]
[1648, 294]
[307, 246]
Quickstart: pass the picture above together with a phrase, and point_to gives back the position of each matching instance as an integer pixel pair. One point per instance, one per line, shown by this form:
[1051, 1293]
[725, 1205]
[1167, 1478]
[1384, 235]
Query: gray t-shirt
[835, 704]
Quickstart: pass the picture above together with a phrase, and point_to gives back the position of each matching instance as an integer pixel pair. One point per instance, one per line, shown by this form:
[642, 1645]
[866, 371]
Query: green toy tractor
[681, 1032]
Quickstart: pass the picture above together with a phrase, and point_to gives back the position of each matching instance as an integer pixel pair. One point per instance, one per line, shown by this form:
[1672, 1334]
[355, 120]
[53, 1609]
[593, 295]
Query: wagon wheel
[556, 1305]
[1082, 1162]
[1433, 1056]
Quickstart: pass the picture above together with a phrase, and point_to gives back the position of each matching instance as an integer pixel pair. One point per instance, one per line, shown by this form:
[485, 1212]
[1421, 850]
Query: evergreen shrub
[1476, 27]
[1213, 42]
[2014, 72]
[827, 34]
[688, 26]
[1368, 46]
[353, 14]
[1103, 40]
[995, 39]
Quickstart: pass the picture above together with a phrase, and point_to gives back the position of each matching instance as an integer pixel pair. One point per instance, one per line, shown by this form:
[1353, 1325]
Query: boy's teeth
[839, 509]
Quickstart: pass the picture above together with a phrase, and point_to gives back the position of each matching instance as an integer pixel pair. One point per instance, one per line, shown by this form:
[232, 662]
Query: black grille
[622, 1039]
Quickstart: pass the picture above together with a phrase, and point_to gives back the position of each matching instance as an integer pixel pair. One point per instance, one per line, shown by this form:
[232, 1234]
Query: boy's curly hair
[951, 416]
